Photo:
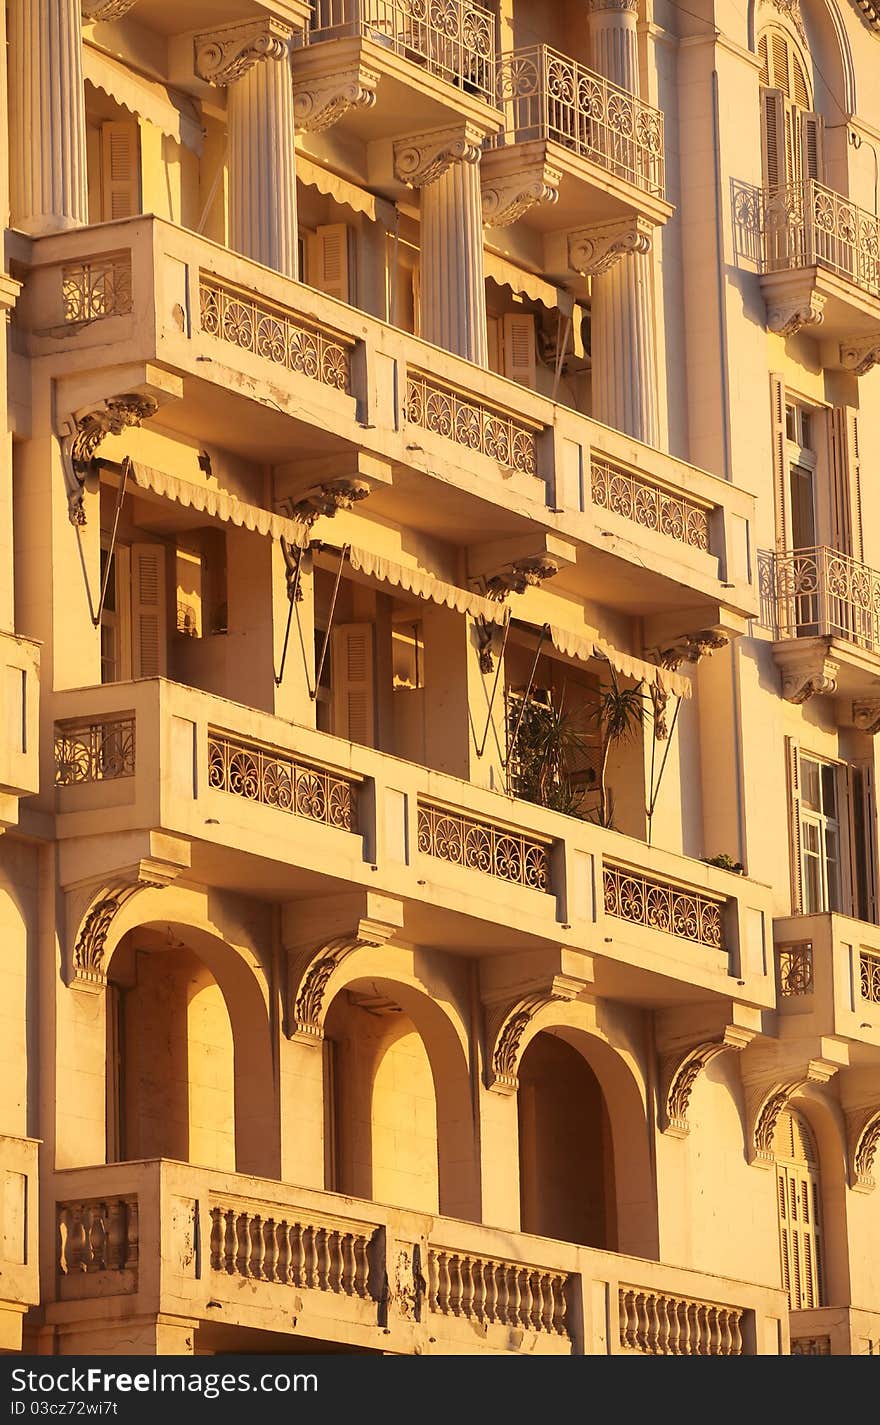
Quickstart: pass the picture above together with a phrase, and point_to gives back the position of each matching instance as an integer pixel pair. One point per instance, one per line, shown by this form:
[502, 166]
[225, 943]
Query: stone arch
[824, 1118]
[827, 39]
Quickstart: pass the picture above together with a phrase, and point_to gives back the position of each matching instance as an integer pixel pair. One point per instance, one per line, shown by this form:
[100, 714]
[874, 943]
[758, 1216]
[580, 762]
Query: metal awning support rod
[481, 746]
[95, 614]
[528, 693]
[313, 691]
[294, 566]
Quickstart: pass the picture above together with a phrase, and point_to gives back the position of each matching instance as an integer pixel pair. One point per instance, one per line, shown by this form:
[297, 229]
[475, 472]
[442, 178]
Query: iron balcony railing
[808, 225]
[546, 95]
[819, 592]
[453, 39]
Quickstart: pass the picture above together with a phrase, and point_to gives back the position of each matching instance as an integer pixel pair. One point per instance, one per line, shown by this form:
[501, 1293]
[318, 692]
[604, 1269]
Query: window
[833, 847]
[800, 424]
[791, 132]
[820, 836]
[799, 1207]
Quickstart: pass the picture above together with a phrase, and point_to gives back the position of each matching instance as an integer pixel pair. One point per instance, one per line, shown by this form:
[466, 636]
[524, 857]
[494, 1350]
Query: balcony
[835, 1331]
[282, 812]
[819, 259]
[603, 146]
[824, 610]
[222, 1252]
[388, 69]
[109, 307]
[20, 710]
[828, 981]
[19, 1268]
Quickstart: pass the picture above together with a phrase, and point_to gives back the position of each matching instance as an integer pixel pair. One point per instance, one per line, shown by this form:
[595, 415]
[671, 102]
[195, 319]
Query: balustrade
[657, 1324]
[625, 493]
[469, 423]
[482, 846]
[314, 1256]
[819, 592]
[275, 333]
[493, 1292]
[97, 1236]
[808, 225]
[277, 779]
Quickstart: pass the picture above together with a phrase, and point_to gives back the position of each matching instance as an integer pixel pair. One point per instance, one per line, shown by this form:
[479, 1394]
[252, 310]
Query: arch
[824, 1119]
[824, 17]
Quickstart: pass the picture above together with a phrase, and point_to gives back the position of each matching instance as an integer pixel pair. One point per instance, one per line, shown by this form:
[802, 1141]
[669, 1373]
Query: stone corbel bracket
[82, 434]
[806, 673]
[681, 1070]
[802, 309]
[320, 102]
[508, 194]
[860, 354]
[689, 648]
[522, 574]
[594, 250]
[866, 715]
[309, 972]
[424, 158]
[766, 1106]
[91, 911]
[226, 54]
[103, 11]
[326, 500]
[506, 1025]
[863, 1140]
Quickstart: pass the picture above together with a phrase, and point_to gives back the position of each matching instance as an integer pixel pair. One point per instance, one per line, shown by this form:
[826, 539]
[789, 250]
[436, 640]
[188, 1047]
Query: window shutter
[854, 482]
[493, 332]
[773, 137]
[846, 472]
[330, 261]
[811, 146]
[780, 459]
[519, 347]
[353, 715]
[120, 165]
[863, 840]
[148, 631]
[793, 759]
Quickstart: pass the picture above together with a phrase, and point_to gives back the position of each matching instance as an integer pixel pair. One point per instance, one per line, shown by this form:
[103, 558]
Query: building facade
[440, 671]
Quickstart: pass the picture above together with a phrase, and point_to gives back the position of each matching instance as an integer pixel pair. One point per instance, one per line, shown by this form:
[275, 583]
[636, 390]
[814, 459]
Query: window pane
[829, 790]
[812, 885]
[806, 430]
[832, 866]
[810, 784]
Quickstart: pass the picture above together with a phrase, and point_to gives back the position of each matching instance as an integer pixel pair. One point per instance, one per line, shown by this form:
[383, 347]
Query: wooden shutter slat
[148, 630]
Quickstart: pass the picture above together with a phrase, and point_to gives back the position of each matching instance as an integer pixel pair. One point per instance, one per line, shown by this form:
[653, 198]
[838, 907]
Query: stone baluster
[445, 166]
[623, 322]
[252, 62]
[47, 116]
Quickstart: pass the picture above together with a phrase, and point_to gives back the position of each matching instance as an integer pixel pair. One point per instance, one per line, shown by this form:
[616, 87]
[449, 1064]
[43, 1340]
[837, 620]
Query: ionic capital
[594, 250]
[860, 354]
[226, 54]
[786, 318]
[102, 11]
[323, 101]
[506, 196]
[424, 158]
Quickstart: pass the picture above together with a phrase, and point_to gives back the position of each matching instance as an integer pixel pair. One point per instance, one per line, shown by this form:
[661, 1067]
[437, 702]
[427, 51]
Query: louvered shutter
[811, 146]
[773, 136]
[800, 1224]
[793, 760]
[329, 261]
[352, 706]
[863, 840]
[120, 164]
[780, 459]
[148, 621]
[519, 347]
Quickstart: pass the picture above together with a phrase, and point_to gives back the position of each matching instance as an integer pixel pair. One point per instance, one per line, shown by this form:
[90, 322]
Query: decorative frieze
[225, 55]
[635, 498]
[480, 845]
[321, 102]
[686, 913]
[275, 333]
[595, 250]
[422, 159]
[489, 430]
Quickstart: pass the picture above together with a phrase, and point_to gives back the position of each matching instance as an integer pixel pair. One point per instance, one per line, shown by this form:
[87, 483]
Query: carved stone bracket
[860, 354]
[594, 250]
[226, 54]
[866, 715]
[325, 499]
[85, 432]
[424, 158]
[806, 673]
[682, 1069]
[321, 102]
[485, 631]
[507, 194]
[522, 574]
[863, 1140]
[507, 1023]
[800, 310]
[101, 902]
[689, 648]
[768, 1105]
[101, 11]
[309, 971]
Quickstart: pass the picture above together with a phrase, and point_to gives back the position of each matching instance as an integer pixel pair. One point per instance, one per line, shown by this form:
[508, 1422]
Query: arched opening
[567, 1186]
[799, 1204]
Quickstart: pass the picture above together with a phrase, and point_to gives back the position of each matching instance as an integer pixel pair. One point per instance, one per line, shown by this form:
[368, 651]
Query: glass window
[820, 836]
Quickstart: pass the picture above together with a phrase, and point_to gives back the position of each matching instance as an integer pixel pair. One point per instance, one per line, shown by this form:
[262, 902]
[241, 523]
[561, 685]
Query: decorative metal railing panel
[625, 493]
[94, 751]
[96, 289]
[869, 976]
[277, 779]
[808, 225]
[453, 39]
[274, 332]
[314, 1256]
[660, 1325]
[642, 900]
[546, 95]
[794, 969]
[482, 846]
[492, 432]
[819, 592]
[97, 1236]
[492, 1292]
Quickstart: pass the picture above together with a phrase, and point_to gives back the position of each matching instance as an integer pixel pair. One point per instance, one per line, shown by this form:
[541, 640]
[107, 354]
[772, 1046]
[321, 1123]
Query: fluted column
[446, 167]
[47, 116]
[624, 343]
[252, 61]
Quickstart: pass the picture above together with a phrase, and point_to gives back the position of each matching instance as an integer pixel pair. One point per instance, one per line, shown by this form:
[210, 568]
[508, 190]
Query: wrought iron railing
[685, 913]
[453, 39]
[635, 498]
[546, 95]
[278, 779]
[97, 288]
[487, 1291]
[482, 846]
[794, 969]
[819, 592]
[657, 1324]
[269, 1246]
[493, 432]
[91, 750]
[808, 225]
[274, 332]
[869, 976]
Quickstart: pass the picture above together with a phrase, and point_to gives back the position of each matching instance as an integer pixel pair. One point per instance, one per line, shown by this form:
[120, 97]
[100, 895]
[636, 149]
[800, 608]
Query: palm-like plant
[619, 714]
[548, 744]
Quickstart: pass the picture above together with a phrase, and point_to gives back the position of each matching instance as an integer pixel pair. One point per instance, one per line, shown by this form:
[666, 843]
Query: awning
[584, 647]
[420, 583]
[342, 191]
[175, 114]
[506, 274]
[217, 503]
